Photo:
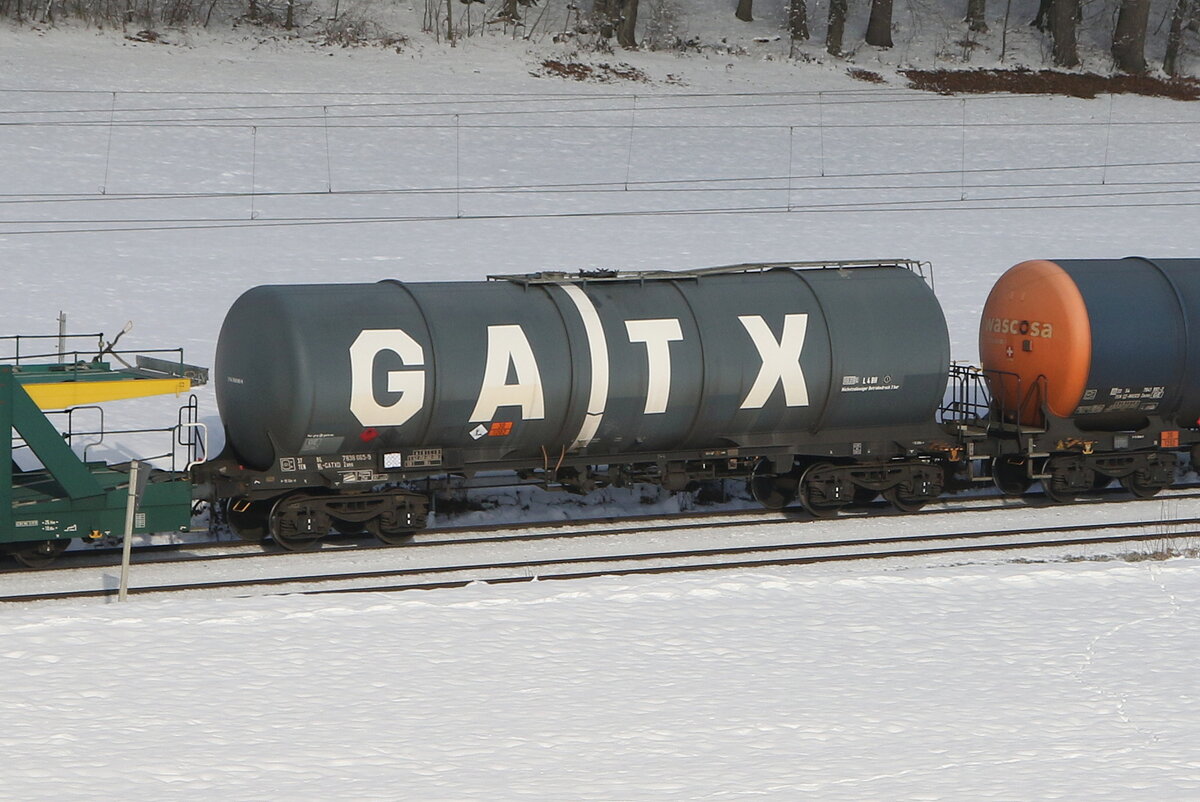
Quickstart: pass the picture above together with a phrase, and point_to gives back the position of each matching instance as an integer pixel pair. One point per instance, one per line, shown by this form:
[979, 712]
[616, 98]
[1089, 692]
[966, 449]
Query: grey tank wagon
[819, 382]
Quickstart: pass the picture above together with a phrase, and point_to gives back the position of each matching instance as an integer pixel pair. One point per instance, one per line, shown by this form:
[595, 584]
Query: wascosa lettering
[510, 355]
[1024, 328]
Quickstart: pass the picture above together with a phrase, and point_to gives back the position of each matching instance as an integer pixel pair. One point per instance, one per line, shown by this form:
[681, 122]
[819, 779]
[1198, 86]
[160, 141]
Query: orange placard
[1170, 439]
[500, 429]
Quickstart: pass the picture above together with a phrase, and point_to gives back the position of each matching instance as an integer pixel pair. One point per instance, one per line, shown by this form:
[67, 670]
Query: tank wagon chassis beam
[296, 506]
[1066, 476]
[298, 519]
[1070, 462]
[1015, 445]
[823, 488]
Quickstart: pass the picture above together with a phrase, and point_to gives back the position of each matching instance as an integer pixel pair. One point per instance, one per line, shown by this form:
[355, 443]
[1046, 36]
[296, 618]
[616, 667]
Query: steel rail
[547, 530]
[788, 554]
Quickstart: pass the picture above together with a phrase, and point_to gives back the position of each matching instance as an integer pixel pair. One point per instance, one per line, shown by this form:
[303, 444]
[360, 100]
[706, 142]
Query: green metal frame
[67, 497]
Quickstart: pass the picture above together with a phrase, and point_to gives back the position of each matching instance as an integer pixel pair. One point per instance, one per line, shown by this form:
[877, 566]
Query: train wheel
[773, 491]
[1010, 477]
[248, 519]
[1057, 491]
[41, 554]
[903, 501]
[389, 535]
[296, 525]
[822, 495]
[1139, 487]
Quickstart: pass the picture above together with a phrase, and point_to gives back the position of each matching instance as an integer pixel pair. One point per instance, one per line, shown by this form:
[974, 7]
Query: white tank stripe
[598, 350]
[590, 424]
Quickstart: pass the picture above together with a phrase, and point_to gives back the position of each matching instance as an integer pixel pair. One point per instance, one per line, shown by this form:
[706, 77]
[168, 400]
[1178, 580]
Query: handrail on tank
[969, 397]
[14, 341]
[189, 434]
[146, 362]
[604, 275]
[1029, 409]
[1034, 402]
[980, 396]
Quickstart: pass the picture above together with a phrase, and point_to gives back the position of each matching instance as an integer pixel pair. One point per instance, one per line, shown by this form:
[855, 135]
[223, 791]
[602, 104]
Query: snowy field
[1072, 681]
[156, 183]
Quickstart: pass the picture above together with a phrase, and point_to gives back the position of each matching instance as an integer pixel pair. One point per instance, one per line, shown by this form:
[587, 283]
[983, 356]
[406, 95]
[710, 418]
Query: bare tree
[628, 24]
[879, 26]
[1064, 15]
[976, 18]
[1042, 20]
[745, 10]
[1171, 61]
[1129, 36]
[798, 20]
[607, 14]
[837, 27]
[661, 23]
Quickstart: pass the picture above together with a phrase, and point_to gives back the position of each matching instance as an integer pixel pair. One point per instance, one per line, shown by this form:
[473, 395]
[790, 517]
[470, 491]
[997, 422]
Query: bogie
[40, 554]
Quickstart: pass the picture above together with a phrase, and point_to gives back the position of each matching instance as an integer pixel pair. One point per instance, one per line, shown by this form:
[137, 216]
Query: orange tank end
[1035, 323]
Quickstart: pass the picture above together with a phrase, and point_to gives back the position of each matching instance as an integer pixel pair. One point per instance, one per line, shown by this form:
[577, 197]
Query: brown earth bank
[1049, 82]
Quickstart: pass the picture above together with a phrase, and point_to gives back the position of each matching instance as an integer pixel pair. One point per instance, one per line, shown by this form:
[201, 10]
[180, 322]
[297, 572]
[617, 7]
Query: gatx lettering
[509, 353]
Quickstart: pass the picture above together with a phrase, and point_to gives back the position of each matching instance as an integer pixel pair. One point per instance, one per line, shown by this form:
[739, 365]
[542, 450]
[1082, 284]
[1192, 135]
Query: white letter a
[507, 345]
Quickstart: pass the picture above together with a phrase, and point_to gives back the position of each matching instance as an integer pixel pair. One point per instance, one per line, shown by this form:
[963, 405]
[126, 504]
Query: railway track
[507, 532]
[683, 546]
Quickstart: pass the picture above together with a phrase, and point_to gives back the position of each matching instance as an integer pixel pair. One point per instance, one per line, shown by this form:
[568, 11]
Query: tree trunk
[977, 16]
[1171, 62]
[628, 24]
[837, 26]
[879, 26]
[607, 12]
[1129, 36]
[509, 12]
[1042, 20]
[798, 20]
[745, 10]
[289, 21]
[1063, 15]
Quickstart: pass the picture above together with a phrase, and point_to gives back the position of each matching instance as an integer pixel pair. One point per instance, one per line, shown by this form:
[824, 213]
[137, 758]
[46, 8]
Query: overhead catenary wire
[473, 104]
[872, 207]
[682, 184]
[1195, 188]
[1019, 184]
[444, 120]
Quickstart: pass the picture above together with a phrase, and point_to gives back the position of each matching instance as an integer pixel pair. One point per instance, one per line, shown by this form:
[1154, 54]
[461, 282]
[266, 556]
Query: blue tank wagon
[818, 381]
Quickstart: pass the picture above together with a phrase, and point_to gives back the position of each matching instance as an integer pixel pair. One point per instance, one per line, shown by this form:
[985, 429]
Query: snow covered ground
[1069, 681]
[155, 183]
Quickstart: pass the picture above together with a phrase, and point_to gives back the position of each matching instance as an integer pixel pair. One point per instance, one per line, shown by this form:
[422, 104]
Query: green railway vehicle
[55, 494]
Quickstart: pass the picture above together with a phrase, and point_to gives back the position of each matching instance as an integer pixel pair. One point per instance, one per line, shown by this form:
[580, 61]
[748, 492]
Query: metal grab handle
[203, 441]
